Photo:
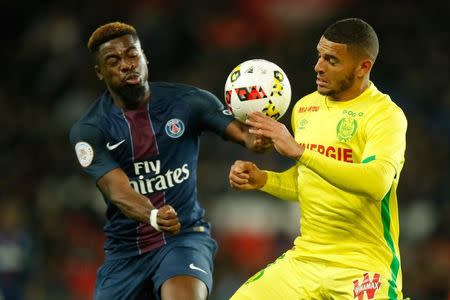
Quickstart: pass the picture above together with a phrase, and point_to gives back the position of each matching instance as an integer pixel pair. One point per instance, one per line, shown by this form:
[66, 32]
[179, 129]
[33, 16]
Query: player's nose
[126, 66]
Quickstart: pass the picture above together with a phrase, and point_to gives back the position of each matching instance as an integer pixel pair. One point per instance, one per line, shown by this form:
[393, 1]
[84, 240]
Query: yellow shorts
[291, 279]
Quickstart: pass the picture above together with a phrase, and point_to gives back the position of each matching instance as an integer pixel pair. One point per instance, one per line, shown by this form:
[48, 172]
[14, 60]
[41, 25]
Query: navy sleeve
[89, 145]
[212, 114]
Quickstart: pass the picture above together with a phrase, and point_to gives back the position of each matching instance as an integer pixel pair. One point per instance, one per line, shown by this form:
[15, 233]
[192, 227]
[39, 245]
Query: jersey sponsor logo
[174, 128]
[113, 146]
[150, 179]
[367, 287]
[342, 154]
[193, 267]
[303, 109]
[85, 153]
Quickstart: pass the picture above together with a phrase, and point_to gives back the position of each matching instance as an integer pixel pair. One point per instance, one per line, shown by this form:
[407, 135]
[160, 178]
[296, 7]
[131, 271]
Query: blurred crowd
[51, 214]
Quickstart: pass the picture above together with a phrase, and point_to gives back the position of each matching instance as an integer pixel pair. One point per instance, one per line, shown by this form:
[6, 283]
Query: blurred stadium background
[51, 215]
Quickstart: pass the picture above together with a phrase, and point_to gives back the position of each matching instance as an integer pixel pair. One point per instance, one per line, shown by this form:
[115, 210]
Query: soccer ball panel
[257, 85]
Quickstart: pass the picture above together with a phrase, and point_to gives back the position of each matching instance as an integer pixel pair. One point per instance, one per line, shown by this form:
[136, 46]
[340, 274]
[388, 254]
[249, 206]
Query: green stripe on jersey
[386, 219]
[395, 264]
[368, 159]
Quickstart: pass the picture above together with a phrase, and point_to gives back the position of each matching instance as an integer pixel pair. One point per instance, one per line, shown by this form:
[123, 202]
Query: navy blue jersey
[157, 146]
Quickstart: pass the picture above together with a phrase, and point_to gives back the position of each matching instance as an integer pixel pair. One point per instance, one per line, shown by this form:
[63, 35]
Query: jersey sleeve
[282, 185]
[89, 145]
[386, 137]
[210, 112]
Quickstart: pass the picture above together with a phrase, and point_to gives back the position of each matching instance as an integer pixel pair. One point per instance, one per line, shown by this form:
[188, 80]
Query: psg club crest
[174, 128]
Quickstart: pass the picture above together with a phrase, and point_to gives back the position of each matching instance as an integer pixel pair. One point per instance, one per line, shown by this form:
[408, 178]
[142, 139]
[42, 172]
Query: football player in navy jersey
[139, 142]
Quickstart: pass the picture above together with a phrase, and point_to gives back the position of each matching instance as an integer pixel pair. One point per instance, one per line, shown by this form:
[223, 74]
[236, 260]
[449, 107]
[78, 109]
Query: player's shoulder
[175, 89]
[183, 93]
[96, 112]
[382, 102]
[311, 99]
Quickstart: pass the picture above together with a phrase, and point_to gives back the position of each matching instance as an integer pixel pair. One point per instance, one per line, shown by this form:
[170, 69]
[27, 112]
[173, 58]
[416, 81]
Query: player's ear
[145, 57]
[98, 73]
[364, 68]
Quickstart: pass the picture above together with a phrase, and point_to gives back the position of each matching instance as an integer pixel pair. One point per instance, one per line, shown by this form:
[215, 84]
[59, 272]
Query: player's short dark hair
[108, 32]
[355, 33]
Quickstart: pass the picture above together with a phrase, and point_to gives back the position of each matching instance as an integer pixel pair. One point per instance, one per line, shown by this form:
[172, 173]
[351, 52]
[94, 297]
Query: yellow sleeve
[386, 137]
[372, 179]
[282, 185]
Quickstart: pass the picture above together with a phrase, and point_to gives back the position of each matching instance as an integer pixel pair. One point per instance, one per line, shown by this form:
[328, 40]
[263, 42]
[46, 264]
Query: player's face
[123, 66]
[336, 68]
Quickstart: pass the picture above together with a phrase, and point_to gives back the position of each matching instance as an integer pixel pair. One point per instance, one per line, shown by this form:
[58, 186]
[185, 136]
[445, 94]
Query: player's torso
[332, 216]
[157, 147]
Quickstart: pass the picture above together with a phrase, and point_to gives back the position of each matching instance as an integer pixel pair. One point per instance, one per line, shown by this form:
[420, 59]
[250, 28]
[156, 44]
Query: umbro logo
[114, 146]
[191, 266]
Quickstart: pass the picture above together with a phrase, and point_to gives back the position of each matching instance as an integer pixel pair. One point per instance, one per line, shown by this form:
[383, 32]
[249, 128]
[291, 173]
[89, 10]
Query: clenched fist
[167, 220]
[245, 175]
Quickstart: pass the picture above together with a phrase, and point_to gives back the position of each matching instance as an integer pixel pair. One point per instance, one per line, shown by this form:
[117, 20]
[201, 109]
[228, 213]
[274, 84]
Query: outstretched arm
[245, 175]
[239, 133]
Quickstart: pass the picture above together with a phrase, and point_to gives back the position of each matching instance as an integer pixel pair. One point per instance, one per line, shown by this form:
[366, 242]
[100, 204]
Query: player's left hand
[276, 132]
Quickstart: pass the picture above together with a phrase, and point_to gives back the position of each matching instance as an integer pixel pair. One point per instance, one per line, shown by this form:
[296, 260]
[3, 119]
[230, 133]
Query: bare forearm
[116, 186]
[133, 205]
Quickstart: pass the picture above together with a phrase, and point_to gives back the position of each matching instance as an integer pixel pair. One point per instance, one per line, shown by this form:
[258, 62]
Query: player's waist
[349, 254]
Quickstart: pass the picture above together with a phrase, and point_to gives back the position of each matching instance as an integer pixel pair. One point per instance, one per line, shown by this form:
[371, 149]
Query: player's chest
[149, 132]
[329, 127]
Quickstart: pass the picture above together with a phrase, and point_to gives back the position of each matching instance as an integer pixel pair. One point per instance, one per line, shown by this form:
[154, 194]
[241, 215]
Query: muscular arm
[372, 179]
[115, 185]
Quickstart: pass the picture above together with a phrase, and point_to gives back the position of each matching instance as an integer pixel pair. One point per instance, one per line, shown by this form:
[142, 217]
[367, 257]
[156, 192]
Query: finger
[171, 229]
[168, 222]
[238, 180]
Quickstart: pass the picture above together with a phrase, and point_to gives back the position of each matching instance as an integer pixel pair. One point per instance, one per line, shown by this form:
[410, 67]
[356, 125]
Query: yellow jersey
[347, 196]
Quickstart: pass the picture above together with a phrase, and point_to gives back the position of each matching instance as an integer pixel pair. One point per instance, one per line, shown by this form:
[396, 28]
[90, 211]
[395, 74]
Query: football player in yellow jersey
[348, 147]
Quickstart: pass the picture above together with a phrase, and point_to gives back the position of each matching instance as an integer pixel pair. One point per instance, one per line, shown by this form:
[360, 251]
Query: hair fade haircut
[355, 33]
[108, 32]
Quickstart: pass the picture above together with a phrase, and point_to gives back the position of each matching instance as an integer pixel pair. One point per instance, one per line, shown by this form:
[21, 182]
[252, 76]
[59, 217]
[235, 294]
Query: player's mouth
[320, 82]
[132, 78]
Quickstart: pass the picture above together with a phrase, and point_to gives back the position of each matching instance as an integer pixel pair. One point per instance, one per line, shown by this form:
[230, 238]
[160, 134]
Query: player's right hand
[245, 175]
[167, 220]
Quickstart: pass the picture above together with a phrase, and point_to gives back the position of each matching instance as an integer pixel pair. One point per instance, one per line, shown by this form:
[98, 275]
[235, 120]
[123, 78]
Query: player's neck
[131, 103]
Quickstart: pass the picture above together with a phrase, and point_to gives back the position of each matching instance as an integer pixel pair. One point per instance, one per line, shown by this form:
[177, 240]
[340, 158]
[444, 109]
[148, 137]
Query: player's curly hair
[355, 33]
[108, 32]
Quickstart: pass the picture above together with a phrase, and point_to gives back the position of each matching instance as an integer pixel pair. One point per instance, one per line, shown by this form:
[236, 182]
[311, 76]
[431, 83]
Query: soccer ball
[257, 85]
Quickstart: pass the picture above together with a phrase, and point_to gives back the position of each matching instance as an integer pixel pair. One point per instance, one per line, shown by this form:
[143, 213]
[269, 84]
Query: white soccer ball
[257, 85]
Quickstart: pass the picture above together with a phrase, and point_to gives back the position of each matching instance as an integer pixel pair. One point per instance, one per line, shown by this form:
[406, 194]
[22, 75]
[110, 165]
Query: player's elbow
[381, 182]
[378, 190]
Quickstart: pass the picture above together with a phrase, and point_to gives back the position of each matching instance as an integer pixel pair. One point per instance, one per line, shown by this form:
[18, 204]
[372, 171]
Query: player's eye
[133, 52]
[112, 61]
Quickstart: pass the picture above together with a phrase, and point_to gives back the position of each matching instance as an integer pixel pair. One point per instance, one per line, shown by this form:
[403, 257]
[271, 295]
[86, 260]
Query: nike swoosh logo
[191, 266]
[114, 146]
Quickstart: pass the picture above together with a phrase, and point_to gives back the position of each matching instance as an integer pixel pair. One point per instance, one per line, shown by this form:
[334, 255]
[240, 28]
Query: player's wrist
[262, 179]
[154, 219]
